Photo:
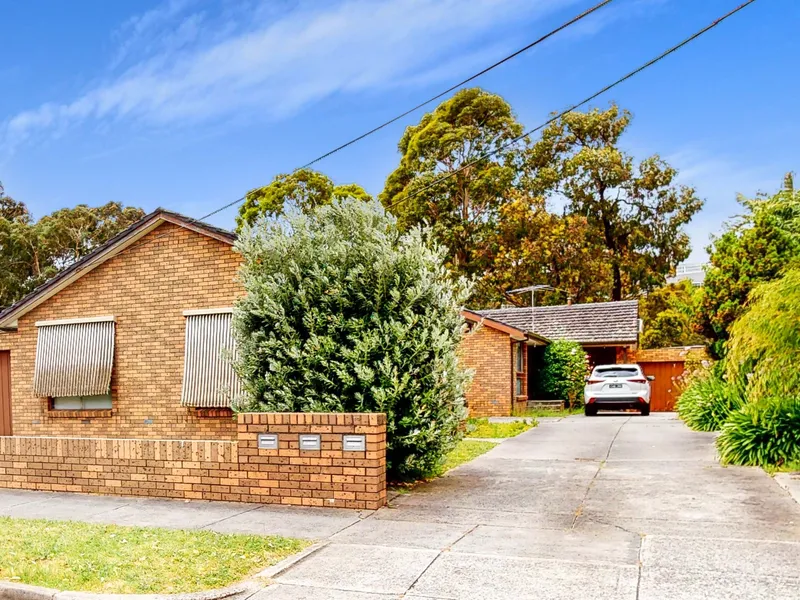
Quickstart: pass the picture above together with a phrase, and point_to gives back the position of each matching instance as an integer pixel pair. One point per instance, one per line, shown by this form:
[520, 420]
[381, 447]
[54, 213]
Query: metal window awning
[74, 357]
[209, 380]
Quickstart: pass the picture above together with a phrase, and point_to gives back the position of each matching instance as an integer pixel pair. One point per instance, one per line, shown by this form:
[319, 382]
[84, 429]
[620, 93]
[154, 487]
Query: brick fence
[336, 460]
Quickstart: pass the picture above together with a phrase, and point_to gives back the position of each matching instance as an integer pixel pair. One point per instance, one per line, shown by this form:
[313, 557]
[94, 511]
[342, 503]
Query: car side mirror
[651, 378]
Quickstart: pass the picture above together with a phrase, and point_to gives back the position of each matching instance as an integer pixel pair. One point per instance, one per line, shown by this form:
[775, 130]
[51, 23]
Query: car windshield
[616, 372]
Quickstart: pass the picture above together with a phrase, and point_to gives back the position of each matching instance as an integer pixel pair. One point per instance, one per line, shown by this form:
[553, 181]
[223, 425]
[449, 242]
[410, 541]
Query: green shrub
[764, 433]
[563, 373]
[708, 401]
[764, 347]
[343, 313]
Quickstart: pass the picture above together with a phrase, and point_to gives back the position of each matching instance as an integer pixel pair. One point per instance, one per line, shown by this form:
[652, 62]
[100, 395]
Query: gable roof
[519, 335]
[597, 323]
[104, 252]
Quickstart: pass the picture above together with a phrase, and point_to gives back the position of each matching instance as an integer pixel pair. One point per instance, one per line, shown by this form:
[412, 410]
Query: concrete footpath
[608, 507]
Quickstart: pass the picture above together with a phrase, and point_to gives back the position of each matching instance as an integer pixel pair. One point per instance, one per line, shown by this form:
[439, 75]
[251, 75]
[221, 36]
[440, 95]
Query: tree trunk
[616, 290]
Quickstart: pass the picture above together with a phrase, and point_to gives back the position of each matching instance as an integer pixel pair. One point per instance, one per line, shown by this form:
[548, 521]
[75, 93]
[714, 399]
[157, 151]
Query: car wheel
[646, 410]
[589, 411]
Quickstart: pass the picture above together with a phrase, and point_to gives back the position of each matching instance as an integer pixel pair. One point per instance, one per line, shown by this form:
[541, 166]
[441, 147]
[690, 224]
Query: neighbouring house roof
[515, 333]
[611, 323]
[114, 246]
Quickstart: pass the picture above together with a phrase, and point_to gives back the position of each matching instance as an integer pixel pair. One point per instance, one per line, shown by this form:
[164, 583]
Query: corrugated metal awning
[74, 357]
[209, 380]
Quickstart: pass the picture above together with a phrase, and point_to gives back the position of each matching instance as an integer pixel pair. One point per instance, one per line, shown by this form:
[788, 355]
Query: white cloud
[189, 68]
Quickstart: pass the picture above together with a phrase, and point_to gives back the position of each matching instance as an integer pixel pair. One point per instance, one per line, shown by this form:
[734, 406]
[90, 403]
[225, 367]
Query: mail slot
[310, 442]
[354, 443]
[268, 441]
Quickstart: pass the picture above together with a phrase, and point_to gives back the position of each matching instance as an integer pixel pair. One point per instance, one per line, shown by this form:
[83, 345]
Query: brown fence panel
[663, 391]
[5, 393]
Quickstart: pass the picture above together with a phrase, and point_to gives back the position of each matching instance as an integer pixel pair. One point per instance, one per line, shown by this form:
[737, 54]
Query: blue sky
[187, 104]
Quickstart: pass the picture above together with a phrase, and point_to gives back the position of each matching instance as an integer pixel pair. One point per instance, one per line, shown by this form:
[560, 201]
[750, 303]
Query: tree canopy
[668, 315]
[303, 190]
[462, 209]
[31, 251]
[488, 193]
[636, 211]
[755, 248]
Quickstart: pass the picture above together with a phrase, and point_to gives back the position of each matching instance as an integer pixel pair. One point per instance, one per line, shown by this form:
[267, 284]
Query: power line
[536, 42]
[550, 34]
[586, 100]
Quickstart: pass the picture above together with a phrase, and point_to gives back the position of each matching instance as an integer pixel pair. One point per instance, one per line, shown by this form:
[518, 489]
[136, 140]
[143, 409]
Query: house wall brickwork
[488, 352]
[147, 287]
[235, 471]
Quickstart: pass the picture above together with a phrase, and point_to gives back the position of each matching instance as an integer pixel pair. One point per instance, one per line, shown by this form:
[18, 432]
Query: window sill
[80, 414]
[213, 413]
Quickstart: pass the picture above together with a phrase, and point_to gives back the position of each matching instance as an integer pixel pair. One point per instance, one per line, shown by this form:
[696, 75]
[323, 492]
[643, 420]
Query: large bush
[764, 347]
[564, 370]
[343, 313]
[708, 401]
[764, 433]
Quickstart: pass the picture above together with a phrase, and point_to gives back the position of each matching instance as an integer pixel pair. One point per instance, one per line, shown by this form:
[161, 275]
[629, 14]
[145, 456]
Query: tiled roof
[159, 214]
[601, 322]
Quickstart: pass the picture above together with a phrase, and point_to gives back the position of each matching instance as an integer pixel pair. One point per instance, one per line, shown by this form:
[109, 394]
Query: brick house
[502, 345]
[129, 341]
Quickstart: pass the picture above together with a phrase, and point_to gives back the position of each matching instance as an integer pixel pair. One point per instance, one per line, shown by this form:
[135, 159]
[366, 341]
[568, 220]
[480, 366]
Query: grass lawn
[465, 451]
[131, 560]
[482, 428]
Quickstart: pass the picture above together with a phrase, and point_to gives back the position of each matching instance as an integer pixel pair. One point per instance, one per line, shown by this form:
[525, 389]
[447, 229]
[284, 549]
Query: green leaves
[754, 249]
[564, 369]
[303, 190]
[33, 251]
[764, 346]
[708, 402]
[764, 433]
[343, 313]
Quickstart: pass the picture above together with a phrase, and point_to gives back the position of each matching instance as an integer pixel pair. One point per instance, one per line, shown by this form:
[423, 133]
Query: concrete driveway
[610, 507]
[601, 508]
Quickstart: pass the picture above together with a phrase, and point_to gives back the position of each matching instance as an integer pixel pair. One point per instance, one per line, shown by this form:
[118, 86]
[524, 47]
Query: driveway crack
[579, 510]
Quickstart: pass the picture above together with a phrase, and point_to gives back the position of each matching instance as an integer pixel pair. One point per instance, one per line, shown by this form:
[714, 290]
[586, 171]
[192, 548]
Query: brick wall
[488, 353]
[146, 288]
[673, 354]
[236, 471]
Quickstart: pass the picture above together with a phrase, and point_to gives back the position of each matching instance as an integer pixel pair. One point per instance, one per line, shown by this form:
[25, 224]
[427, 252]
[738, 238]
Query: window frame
[82, 399]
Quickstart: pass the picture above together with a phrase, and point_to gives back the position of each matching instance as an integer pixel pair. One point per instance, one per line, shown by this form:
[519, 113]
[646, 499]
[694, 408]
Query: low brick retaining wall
[345, 467]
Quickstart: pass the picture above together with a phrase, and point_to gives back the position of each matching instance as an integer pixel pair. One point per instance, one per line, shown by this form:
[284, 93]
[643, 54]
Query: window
[519, 386]
[520, 366]
[209, 380]
[99, 402]
[74, 359]
[617, 372]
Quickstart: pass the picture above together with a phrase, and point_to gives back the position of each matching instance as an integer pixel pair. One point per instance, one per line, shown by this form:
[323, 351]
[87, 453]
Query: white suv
[616, 387]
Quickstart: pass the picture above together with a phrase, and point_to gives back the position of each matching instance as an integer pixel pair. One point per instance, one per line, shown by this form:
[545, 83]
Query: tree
[764, 345]
[668, 315]
[31, 252]
[637, 212]
[344, 313]
[303, 190]
[463, 209]
[755, 248]
[534, 245]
